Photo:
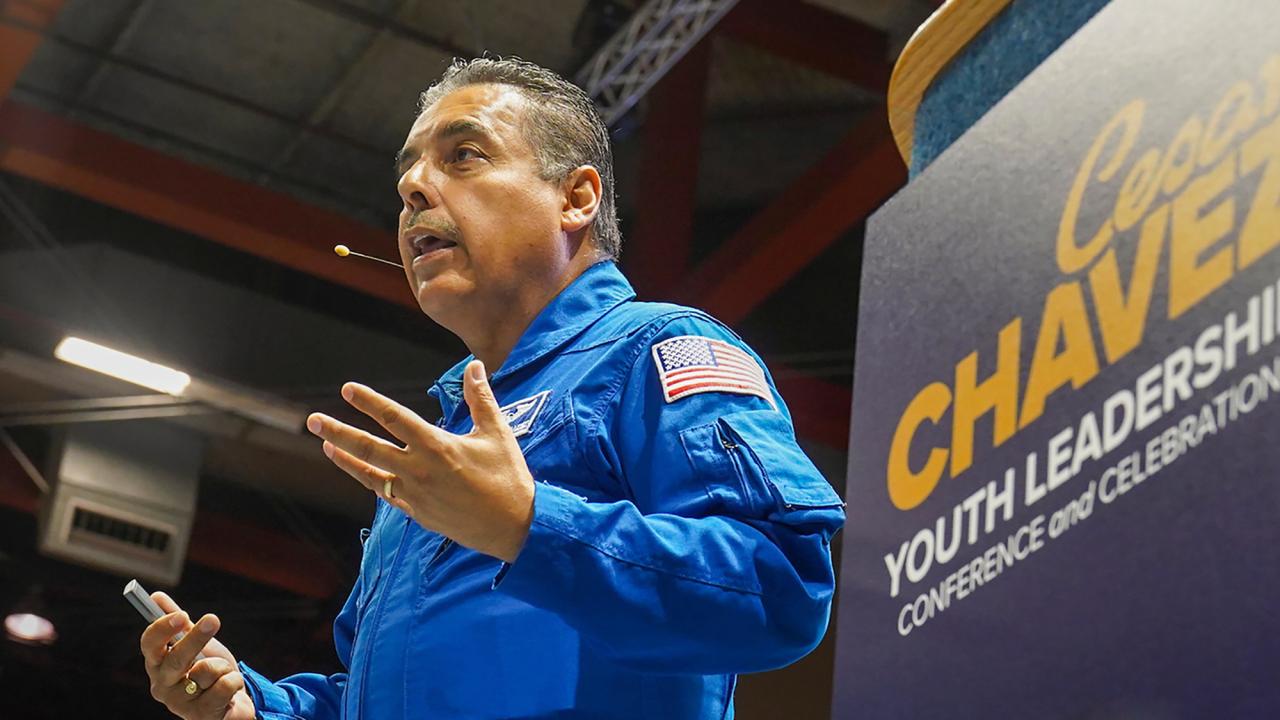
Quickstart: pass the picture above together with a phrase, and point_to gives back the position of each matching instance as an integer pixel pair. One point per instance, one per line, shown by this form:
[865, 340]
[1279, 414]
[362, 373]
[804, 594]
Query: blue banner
[1064, 476]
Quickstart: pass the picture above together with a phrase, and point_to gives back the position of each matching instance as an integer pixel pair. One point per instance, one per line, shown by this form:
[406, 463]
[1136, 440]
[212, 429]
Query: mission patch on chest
[521, 414]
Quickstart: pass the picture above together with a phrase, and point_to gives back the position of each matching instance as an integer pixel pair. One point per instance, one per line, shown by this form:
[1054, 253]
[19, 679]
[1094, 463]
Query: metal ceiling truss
[131, 407]
[638, 55]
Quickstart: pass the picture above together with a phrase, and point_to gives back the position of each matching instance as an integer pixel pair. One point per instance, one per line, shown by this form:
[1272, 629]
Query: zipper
[381, 604]
[733, 450]
[365, 592]
[741, 460]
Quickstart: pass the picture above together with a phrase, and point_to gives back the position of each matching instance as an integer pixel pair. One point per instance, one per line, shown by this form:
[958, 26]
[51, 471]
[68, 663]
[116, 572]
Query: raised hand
[474, 488]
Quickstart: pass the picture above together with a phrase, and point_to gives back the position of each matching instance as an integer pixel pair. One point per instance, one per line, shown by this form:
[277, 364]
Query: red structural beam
[814, 37]
[851, 181]
[263, 555]
[17, 43]
[271, 225]
[16, 489]
[819, 409]
[670, 140]
[840, 191]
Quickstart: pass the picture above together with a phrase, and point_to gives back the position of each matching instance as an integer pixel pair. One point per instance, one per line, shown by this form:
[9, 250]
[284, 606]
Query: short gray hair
[563, 127]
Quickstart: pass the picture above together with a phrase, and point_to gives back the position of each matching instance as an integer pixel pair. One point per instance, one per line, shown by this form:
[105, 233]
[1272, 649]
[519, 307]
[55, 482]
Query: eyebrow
[461, 126]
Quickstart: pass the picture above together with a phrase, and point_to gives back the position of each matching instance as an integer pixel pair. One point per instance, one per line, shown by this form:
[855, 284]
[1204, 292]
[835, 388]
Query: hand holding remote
[196, 678]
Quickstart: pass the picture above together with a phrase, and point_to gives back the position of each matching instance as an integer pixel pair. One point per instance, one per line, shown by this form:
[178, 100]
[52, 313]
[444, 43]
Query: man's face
[478, 223]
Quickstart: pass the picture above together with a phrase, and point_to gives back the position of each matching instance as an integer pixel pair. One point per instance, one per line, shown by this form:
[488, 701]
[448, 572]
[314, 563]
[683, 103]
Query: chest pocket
[552, 452]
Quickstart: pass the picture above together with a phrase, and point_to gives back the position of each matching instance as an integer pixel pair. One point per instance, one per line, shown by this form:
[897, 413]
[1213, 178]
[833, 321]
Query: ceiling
[299, 106]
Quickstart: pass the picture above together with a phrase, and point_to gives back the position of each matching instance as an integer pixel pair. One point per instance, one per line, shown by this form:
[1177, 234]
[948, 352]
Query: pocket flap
[768, 437]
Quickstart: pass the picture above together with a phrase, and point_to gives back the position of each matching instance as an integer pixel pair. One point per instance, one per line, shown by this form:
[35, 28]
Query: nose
[416, 190]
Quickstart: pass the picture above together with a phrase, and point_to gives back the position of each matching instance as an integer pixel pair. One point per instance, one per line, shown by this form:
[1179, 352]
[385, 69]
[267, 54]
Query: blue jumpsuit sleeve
[719, 560]
[312, 696]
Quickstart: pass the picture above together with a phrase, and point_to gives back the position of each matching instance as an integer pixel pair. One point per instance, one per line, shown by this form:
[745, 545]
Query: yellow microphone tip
[342, 250]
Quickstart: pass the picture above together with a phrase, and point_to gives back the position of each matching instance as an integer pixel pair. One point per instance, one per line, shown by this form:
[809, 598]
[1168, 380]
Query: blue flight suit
[674, 544]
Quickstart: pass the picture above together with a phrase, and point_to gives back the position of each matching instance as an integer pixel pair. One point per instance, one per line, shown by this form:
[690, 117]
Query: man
[612, 523]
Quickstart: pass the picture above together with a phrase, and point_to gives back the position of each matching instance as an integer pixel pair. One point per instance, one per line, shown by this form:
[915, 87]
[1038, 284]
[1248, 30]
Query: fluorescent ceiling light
[122, 365]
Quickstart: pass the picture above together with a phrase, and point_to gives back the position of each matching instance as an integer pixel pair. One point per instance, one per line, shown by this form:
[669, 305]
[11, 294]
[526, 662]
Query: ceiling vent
[123, 498]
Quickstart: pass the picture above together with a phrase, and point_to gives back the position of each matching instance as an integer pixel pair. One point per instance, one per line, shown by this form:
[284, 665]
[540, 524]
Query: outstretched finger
[362, 445]
[397, 419]
[372, 477]
[375, 479]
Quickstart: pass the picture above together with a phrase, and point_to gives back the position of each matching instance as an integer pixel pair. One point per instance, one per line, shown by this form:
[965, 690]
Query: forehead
[488, 109]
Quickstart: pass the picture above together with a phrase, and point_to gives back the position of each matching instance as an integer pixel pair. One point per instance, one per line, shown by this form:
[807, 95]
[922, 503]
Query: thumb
[479, 396]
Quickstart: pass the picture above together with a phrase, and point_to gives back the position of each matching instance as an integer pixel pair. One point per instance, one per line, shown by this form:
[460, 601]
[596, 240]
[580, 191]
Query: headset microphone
[343, 251]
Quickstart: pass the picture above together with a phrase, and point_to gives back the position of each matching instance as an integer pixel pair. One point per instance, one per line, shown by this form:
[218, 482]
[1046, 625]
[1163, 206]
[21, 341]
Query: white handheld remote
[141, 601]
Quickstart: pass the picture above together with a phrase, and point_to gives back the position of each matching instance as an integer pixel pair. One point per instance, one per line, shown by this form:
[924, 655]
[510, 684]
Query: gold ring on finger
[386, 490]
[191, 687]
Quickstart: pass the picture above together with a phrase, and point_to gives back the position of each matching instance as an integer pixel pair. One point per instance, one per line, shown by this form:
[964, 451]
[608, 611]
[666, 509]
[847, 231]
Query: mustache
[436, 226]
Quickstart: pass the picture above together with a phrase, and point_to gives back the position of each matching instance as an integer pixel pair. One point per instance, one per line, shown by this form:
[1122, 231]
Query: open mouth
[427, 244]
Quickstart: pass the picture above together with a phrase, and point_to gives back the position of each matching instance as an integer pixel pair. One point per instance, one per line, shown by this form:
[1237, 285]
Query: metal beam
[840, 191]
[18, 44]
[24, 463]
[101, 403]
[263, 555]
[76, 410]
[16, 489]
[63, 417]
[668, 184]
[814, 37]
[645, 49]
[271, 225]
[820, 410]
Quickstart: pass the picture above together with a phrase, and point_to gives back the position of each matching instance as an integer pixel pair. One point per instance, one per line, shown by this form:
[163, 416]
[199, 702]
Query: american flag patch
[692, 364]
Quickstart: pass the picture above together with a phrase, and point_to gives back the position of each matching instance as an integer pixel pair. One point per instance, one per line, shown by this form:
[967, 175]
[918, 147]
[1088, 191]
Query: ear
[582, 190]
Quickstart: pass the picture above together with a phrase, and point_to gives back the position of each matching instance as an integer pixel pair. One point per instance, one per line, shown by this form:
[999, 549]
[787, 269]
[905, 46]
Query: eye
[465, 152]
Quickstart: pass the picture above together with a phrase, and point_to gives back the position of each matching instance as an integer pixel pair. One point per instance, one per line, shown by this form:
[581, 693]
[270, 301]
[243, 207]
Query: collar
[599, 289]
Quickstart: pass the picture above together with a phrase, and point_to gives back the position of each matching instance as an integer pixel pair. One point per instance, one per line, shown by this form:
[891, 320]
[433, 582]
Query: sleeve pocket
[768, 450]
